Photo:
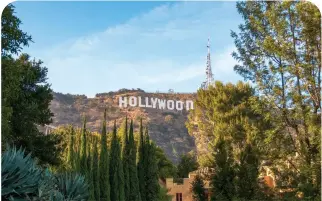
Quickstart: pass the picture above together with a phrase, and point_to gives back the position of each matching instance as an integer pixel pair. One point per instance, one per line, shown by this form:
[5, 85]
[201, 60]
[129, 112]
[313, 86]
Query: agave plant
[72, 187]
[23, 180]
[19, 174]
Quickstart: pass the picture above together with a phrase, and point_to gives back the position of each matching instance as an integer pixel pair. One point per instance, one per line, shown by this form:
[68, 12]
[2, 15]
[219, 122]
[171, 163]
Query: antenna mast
[209, 75]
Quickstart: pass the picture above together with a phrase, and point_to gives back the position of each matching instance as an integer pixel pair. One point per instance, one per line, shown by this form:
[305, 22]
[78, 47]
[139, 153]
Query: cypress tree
[125, 161]
[141, 163]
[104, 165]
[71, 149]
[83, 159]
[116, 170]
[152, 186]
[133, 176]
[89, 173]
[78, 152]
[95, 170]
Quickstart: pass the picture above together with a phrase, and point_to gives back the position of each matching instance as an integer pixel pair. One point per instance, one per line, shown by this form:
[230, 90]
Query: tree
[198, 189]
[222, 182]
[71, 148]
[166, 169]
[134, 194]
[125, 160]
[104, 165]
[186, 165]
[116, 169]
[83, 150]
[26, 95]
[89, 173]
[279, 49]
[152, 187]
[12, 37]
[247, 172]
[141, 163]
[96, 175]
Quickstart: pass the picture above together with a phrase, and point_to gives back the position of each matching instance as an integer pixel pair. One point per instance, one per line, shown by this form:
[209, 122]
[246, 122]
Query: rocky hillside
[166, 127]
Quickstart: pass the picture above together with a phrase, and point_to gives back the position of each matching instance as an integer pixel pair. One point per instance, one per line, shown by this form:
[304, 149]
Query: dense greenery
[198, 189]
[26, 95]
[186, 165]
[279, 50]
[240, 131]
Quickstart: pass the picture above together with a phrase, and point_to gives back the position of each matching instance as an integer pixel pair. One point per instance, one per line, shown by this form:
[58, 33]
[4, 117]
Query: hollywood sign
[157, 103]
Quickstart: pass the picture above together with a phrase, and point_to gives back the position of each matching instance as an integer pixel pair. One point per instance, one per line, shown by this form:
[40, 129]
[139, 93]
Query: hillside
[166, 127]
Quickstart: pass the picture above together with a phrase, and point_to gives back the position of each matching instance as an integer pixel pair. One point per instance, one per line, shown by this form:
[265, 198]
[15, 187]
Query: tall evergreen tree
[125, 160]
[71, 149]
[198, 189]
[89, 172]
[116, 169]
[95, 170]
[83, 151]
[134, 194]
[152, 186]
[104, 165]
[141, 163]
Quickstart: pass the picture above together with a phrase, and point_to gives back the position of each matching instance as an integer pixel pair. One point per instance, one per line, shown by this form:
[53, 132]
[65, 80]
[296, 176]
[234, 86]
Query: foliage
[125, 159]
[104, 165]
[26, 95]
[96, 173]
[71, 187]
[22, 179]
[166, 168]
[152, 186]
[278, 49]
[163, 195]
[186, 165]
[222, 182]
[116, 169]
[198, 189]
[134, 194]
[141, 163]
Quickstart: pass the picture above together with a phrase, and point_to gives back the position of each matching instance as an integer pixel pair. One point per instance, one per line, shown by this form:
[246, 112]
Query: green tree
[89, 173]
[83, 150]
[12, 37]
[26, 95]
[141, 163]
[96, 175]
[222, 182]
[152, 187]
[104, 165]
[125, 159]
[166, 169]
[71, 149]
[247, 173]
[116, 169]
[186, 165]
[279, 49]
[198, 189]
[133, 174]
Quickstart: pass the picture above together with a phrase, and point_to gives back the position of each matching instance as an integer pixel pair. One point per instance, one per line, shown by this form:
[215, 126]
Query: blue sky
[95, 47]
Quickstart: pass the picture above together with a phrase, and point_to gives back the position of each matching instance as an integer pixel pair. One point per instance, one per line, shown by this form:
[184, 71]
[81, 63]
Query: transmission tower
[209, 75]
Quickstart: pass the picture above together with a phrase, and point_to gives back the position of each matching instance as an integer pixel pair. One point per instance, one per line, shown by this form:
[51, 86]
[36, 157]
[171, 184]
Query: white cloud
[162, 47]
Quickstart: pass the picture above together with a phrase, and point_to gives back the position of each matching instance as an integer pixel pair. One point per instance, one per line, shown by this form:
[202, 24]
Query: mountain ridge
[166, 127]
